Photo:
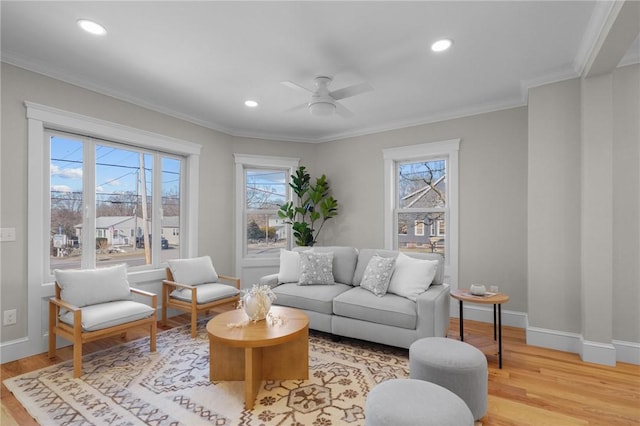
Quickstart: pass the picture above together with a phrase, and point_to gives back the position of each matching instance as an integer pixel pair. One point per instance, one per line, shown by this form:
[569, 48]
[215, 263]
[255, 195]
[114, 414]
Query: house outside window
[421, 200]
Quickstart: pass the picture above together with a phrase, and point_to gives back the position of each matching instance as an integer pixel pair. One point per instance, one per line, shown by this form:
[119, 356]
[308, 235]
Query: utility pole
[143, 191]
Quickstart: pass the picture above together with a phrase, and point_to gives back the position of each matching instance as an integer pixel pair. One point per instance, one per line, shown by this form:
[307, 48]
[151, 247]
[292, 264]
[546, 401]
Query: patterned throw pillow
[377, 276]
[316, 268]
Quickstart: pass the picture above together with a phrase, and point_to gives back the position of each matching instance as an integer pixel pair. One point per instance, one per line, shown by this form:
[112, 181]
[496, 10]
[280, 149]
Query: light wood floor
[535, 386]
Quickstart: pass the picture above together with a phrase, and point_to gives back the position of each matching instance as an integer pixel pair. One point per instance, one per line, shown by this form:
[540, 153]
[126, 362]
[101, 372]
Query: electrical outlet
[9, 317]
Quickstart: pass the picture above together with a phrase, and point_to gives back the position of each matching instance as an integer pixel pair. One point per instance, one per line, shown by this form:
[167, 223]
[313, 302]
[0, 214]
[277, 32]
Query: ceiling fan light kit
[321, 108]
[323, 102]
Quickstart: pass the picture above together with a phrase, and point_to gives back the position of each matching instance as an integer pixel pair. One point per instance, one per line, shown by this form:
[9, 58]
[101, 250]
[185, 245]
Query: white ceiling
[201, 60]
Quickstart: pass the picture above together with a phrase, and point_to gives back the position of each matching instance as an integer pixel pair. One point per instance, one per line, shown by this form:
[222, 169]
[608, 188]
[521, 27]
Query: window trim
[425, 151]
[42, 118]
[242, 162]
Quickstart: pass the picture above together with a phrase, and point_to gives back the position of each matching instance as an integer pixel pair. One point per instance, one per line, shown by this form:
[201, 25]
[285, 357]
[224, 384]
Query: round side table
[495, 299]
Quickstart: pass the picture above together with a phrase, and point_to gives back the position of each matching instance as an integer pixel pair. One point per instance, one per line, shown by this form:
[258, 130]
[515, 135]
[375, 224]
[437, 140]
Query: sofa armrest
[270, 280]
[433, 311]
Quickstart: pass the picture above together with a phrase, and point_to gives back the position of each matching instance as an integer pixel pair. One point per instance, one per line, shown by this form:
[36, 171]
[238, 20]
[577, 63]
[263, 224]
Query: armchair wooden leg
[77, 344]
[165, 302]
[77, 359]
[152, 335]
[52, 333]
[194, 324]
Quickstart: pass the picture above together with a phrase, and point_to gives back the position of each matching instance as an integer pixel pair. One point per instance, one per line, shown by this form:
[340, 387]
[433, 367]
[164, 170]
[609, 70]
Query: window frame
[264, 162]
[447, 149]
[42, 119]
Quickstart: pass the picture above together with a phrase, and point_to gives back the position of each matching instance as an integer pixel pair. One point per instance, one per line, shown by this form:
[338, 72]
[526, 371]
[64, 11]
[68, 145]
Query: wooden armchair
[93, 304]
[193, 286]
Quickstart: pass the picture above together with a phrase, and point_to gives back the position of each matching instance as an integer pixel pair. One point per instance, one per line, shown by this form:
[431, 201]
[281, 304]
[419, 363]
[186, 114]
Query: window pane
[422, 184]
[123, 206]
[171, 169]
[432, 226]
[266, 189]
[66, 170]
[266, 235]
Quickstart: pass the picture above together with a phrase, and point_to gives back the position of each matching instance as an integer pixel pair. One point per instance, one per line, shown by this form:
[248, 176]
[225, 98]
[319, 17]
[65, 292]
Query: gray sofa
[346, 309]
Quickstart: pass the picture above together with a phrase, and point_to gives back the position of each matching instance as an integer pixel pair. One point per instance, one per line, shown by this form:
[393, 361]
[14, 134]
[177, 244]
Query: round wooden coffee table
[259, 351]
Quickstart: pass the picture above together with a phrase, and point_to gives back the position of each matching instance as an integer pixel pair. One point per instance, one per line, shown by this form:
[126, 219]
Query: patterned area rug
[126, 385]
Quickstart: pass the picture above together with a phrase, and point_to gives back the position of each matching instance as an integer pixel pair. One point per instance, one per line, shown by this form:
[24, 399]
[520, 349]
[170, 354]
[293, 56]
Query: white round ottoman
[407, 402]
[455, 365]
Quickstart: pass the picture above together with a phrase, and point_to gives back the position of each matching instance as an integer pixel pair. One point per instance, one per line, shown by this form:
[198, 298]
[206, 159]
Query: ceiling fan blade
[349, 91]
[298, 107]
[295, 86]
[343, 111]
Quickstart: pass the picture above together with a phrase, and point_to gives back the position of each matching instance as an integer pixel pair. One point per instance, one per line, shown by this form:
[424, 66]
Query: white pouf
[407, 402]
[455, 365]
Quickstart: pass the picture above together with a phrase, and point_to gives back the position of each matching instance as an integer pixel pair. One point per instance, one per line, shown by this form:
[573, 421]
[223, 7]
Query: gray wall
[563, 180]
[492, 193]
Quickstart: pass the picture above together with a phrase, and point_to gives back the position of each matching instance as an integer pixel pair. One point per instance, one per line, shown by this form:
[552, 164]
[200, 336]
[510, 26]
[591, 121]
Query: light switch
[7, 234]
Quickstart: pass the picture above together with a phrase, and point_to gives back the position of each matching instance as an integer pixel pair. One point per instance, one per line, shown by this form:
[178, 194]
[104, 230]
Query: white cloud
[60, 188]
[99, 189]
[66, 173]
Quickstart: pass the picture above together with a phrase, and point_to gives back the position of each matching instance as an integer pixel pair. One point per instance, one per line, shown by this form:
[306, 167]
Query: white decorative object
[257, 302]
[477, 289]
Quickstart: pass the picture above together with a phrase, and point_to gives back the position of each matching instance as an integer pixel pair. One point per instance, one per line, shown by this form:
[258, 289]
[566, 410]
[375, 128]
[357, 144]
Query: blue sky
[116, 171]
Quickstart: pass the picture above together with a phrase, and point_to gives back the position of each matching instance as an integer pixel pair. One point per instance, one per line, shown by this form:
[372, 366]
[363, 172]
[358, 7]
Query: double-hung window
[421, 200]
[262, 186]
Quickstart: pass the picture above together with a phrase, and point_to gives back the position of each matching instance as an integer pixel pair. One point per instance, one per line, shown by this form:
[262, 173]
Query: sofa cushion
[378, 275]
[194, 271]
[365, 255]
[206, 292]
[344, 261]
[289, 271]
[389, 309]
[316, 268]
[411, 277]
[318, 298]
[104, 315]
[83, 287]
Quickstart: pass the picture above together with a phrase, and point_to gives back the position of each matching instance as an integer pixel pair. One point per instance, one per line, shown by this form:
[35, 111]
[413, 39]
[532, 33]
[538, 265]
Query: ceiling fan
[323, 102]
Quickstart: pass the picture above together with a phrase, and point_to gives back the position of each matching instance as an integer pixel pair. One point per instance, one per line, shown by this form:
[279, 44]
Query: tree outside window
[421, 206]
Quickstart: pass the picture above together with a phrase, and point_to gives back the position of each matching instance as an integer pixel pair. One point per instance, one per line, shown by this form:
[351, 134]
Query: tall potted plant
[313, 207]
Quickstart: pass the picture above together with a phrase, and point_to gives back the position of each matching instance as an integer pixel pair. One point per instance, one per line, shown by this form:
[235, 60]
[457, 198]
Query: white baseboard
[14, 349]
[628, 352]
[598, 352]
[595, 352]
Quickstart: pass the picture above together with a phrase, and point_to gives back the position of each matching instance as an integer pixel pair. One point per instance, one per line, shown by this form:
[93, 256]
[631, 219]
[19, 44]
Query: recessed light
[441, 45]
[251, 104]
[91, 27]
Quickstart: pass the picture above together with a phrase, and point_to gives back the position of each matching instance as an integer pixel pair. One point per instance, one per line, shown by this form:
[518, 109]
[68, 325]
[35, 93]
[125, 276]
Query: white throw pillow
[316, 268]
[198, 270]
[83, 287]
[289, 266]
[377, 276]
[412, 276]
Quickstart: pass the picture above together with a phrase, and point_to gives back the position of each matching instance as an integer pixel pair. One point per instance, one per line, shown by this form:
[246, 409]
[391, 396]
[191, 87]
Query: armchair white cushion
[194, 271]
[206, 293]
[105, 315]
[84, 287]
